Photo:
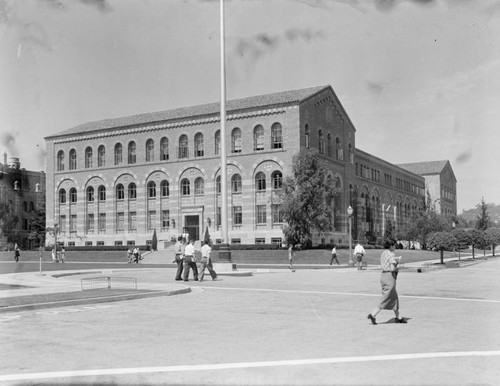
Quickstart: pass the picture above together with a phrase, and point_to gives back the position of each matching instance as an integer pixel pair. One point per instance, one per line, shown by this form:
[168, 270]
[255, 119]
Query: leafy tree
[37, 226]
[421, 225]
[441, 241]
[154, 241]
[463, 239]
[476, 239]
[389, 230]
[206, 237]
[306, 199]
[492, 237]
[483, 220]
[8, 222]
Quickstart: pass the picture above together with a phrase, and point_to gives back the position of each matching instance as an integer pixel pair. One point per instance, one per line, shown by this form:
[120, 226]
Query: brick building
[115, 181]
[24, 191]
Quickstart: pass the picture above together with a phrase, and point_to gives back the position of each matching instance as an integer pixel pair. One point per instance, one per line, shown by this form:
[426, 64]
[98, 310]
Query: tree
[483, 220]
[463, 239]
[306, 199]
[423, 224]
[476, 239]
[154, 241]
[8, 222]
[37, 226]
[441, 241]
[206, 237]
[492, 237]
[389, 230]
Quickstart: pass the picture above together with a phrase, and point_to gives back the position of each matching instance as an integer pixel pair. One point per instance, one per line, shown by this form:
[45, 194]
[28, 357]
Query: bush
[249, 247]
[101, 247]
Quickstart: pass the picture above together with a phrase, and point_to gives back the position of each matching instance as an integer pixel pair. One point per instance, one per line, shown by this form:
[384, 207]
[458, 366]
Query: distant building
[24, 191]
[115, 181]
[440, 184]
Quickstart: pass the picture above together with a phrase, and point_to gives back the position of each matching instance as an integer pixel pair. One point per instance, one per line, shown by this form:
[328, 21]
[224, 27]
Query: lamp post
[349, 212]
[40, 247]
[453, 225]
[55, 241]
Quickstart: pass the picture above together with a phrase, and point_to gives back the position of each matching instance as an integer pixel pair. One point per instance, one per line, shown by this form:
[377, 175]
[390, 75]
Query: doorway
[192, 226]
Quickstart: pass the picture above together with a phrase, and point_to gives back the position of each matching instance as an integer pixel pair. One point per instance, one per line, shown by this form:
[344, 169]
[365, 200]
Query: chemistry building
[116, 181]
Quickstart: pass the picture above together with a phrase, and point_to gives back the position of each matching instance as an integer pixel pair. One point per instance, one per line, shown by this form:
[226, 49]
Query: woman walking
[389, 265]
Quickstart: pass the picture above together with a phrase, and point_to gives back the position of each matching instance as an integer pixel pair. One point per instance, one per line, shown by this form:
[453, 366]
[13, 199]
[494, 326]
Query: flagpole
[224, 253]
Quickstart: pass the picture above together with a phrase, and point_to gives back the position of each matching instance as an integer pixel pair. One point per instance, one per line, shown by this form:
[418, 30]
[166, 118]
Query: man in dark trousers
[178, 249]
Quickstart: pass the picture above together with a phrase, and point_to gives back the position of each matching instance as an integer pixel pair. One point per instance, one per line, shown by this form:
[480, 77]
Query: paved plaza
[275, 327]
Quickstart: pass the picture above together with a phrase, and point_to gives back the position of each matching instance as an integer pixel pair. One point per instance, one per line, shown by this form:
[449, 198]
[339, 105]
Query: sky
[420, 79]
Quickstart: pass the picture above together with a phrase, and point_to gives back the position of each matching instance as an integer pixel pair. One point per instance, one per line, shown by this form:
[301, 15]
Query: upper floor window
[185, 187]
[88, 157]
[307, 136]
[340, 151]
[72, 159]
[101, 156]
[62, 196]
[72, 195]
[236, 184]
[218, 185]
[258, 138]
[60, 161]
[132, 156]
[120, 192]
[198, 145]
[183, 146]
[351, 155]
[277, 180]
[164, 149]
[151, 189]
[150, 150]
[165, 188]
[132, 191]
[329, 144]
[199, 186]
[236, 140]
[118, 154]
[321, 142]
[260, 181]
[217, 142]
[90, 194]
[101, 191]
[276, 136]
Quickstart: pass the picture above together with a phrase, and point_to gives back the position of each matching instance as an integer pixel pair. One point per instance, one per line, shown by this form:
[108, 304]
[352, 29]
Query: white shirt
[205, 251]
[359, 249]
[189, 251]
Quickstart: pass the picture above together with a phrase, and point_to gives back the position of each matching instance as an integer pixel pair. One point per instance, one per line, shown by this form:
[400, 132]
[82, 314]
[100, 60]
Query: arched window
[198, 145]
[118, 154]
[120, 192]
[150, 150]
[132, 191]
[217, 142]
[60, 161]
[329, 144]
[90, 194]
[258, 138]
[164, 149]
[199, 187]
[183, 146]
[101, 191]
[236, 184]
[151, 189]
[277, 180]
[62, 196]
[132, 156]
[25, 206]
[321, 142]
[101, 156]
[185, 187]
[218, 185]
[307, 136]
[73, 196]
[260, 182]
[165, 188]
[276, 136]
[236, 140]
[340, 151]
[88, 157]
[72, 159]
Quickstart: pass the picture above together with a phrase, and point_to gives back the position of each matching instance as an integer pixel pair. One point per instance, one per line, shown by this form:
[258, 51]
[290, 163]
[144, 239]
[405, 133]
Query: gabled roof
[211, 109]
[425, 168]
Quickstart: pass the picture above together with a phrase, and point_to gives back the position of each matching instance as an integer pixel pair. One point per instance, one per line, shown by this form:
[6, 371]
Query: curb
[79, 302]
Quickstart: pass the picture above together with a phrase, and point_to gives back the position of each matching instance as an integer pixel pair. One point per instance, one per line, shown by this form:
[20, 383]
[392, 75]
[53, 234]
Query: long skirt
[389, 299]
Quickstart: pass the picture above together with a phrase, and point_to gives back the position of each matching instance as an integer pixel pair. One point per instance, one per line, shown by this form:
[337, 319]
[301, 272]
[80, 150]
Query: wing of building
[115, 181]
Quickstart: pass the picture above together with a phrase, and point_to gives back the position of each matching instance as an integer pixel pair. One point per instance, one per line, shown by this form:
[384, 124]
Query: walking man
[334, 255]
[179, 257]
[206, 261]
[359, 252]
[190, 261]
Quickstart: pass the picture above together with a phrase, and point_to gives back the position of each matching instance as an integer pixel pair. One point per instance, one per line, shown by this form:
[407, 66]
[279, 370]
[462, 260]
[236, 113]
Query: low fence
[108, 282]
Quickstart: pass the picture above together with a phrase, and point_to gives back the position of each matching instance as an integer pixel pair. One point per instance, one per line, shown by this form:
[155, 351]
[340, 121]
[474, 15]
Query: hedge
[102, 247]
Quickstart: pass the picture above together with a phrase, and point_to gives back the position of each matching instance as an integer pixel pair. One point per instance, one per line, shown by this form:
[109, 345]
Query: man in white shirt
[359, 252]
[206, 261]
[190, 261]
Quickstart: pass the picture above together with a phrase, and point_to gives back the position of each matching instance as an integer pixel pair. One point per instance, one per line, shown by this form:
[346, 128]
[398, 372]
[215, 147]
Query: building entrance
[192, 227]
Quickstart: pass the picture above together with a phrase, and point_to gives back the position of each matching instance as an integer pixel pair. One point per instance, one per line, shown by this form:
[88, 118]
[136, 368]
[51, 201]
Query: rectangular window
[237, 215]
[62, 224]
[165, 219]
[235, 241]
[277, 214]
[90, 223]
[72, 224]
[151, 219]
[118, 243]
[276, 240]
[260, 241]
[88, 243]
[120, 218]
[218, 217]
[132, 221]
[71, 243]
[130, 243]
[261, 214]
[100, 243]
[102, 223]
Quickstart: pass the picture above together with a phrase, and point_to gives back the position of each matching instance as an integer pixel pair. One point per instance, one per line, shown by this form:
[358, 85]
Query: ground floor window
[260, 241]
[102, 222]
[237, 215]
[261, 214]
[235, 241]
[118, 243]
[276, 240]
